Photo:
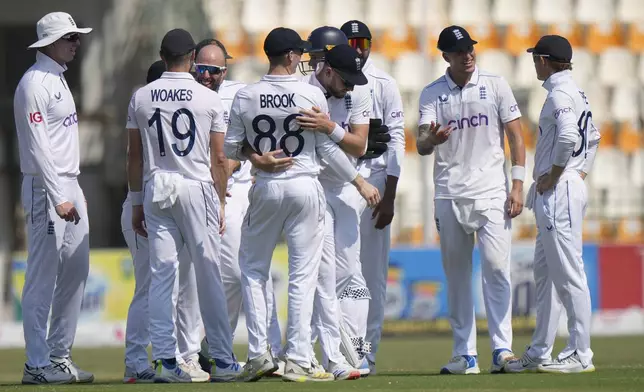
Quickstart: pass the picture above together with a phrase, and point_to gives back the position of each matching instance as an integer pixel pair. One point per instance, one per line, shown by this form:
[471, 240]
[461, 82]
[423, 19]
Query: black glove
[377, 140]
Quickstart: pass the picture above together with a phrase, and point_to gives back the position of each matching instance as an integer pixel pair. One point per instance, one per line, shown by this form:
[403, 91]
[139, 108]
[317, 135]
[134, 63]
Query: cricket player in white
[265, 116]
[176, 130]
[211, 68]
[463, 116]
[54, 205]
[188, 317]
[568, 141]
[381, 166]
[339, 76]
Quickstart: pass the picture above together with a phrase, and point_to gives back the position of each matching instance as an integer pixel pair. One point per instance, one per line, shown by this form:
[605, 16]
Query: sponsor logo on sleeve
[35, 117]
[560, 111]
[70, 120]
[514, 108]
[398, 114]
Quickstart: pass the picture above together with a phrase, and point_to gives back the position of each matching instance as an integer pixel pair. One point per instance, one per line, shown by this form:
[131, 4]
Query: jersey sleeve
[562, 110]
[236, 133]
[218, 123]
[131, 114]
[506, 102]
[395, 121]
[30, 112]
[427, 107]
[361, 105]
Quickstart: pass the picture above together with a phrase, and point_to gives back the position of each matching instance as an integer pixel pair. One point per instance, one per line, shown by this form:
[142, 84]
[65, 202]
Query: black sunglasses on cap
[212, 69]
[71, 37]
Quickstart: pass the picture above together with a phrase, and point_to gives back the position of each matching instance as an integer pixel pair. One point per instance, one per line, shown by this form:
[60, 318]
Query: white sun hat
[53, 26]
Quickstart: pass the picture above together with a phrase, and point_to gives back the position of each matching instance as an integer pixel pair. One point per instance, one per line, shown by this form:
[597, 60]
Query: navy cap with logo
[553, 47]
[177, 42]
[356, 29]
[281, 40]
[155, 71]
[347, 63]
[455, 39]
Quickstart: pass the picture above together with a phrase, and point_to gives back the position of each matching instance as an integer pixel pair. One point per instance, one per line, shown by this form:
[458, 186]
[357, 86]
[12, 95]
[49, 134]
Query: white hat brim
[53, 38]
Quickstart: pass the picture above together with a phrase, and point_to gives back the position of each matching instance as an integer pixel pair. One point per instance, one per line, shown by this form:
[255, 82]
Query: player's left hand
[377, 140]
[138, 221]
[315, 120]
[383, 213]
[514, 203]
[545, 183]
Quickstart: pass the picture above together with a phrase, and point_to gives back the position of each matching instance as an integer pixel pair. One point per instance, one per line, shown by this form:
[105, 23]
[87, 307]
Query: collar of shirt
[315, 82]
[368, 66]
[177, 75]
[556, 78]
[474, 79]
[279, 78]
[47, 63]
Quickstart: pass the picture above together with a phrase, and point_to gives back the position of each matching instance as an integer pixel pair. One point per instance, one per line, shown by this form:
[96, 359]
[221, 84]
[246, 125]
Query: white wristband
[338, 134]
[518, 173]
[137, 198]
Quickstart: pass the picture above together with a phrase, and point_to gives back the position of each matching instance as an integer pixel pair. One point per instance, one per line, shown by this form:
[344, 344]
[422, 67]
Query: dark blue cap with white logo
[455, 39]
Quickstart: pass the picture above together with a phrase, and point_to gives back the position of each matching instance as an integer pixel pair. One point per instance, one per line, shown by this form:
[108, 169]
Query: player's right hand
[138, 221]
[370, 194]
[68, 212]
[268, 163]
[437, 134]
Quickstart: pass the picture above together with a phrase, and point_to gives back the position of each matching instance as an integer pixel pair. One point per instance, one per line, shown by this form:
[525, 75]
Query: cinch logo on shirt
[398, 114]
[560, 111]
[470, 122]
[35, 117]
[70, 120]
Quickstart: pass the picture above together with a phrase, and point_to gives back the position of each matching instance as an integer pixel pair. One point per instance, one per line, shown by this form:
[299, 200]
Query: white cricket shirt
[567, 135]
[47, 125]
[227, 92]
[353, 109]
[175, 115]
[387, 106]
[264, 113]
[470, 164]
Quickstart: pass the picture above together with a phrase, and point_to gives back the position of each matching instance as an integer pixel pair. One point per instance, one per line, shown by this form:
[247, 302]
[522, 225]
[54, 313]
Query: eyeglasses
[536, 56]
[71, 37]
[360, 43]
[212, 69]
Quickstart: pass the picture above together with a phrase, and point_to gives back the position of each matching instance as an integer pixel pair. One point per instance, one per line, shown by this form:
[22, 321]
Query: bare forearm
[517, 148]
[135, 173]
[220, 179]
[423, 142]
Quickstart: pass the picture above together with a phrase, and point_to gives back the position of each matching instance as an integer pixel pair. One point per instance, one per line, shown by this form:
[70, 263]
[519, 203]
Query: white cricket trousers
[457, 221]
[374, 258]
[294, 207]
[57, 269]
[559, 272]
[188, 317]
[236, 207]
[192, 221]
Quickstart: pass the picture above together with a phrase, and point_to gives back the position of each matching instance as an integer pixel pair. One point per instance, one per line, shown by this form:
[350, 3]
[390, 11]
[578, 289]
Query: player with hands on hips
[565, 152]
[464, 116]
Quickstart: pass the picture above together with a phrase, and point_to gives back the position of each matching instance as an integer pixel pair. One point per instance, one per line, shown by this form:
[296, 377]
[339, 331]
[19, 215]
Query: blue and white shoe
[223, 371]
[364, 368]
[462, 364]
[169, 371]
[500, 357]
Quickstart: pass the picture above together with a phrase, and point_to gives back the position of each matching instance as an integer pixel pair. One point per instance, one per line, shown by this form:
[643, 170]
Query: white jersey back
[470, 165]
[353, 109]
[264, 113]
[227, 92]
[566, 109]
[175, 115]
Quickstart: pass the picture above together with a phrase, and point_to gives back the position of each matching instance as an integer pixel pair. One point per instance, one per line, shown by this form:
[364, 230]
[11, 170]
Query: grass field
[409, 364]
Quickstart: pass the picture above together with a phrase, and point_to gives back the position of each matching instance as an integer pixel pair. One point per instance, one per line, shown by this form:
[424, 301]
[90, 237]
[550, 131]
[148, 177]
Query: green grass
[409, 364]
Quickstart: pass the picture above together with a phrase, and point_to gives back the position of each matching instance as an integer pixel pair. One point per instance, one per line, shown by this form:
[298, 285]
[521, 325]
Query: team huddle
[220, 172]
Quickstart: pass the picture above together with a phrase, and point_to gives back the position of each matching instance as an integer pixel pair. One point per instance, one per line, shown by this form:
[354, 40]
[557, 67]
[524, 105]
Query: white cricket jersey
[227, 92]
[264, 113]
[47, 125]
[470, 164]
[175, 115]
[353, 109]
[567, 134]
[387, 106]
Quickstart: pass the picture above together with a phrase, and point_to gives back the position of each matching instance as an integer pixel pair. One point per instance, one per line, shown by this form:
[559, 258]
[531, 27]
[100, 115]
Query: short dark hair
[558, 67]
[211, 41]
[173, 61]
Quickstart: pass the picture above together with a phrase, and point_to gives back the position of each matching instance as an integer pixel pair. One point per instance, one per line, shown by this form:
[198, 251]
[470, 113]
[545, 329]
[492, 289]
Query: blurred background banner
[608, 43]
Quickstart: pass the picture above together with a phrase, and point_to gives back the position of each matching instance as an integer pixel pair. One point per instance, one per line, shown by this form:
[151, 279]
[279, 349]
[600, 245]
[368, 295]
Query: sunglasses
[71, 37]
[212, 69]
[348, 85]
[360, 43]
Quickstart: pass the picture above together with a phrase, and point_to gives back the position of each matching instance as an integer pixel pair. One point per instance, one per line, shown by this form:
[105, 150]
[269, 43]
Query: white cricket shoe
[146, 376]
[525, 364]
[166, 372]
[569, 364]
[500, 357]
[297, 373]
[46, 375]
[68, 366]
[225, 371]
[258, 367]
[279, 372]
[462, 364]
[343, 371]
[197, 374]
